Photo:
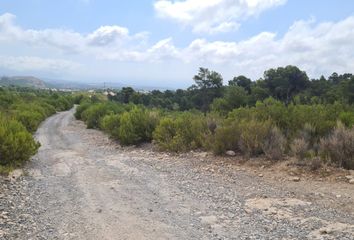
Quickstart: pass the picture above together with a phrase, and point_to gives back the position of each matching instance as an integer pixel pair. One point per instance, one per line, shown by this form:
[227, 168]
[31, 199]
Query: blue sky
[162, 42]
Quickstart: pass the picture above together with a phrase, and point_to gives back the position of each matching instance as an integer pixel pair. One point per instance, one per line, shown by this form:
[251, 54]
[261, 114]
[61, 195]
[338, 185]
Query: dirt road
[83, 186]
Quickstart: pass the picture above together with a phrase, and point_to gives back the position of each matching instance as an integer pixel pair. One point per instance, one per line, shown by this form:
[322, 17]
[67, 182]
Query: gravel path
[81, 185]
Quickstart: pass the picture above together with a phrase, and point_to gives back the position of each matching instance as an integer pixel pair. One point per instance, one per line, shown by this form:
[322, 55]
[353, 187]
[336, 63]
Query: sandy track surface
[81, 185]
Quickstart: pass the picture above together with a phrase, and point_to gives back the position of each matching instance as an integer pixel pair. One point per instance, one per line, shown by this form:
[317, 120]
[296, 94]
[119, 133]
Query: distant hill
[22, 81]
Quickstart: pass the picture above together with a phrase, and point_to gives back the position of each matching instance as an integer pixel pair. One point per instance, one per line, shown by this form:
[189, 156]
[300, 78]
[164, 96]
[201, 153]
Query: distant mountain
[22, 81]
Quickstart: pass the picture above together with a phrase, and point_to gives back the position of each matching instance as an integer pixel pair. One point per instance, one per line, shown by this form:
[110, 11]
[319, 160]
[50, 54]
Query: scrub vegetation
[282, 114]
[21, 112]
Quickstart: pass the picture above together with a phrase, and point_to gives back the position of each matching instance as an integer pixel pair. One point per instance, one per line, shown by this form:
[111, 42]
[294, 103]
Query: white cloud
[104, 43]
[212, 16]
[318, 48]
[107, 35]
[163, 49]
[29, 63]
[8, 31]
[68, 40]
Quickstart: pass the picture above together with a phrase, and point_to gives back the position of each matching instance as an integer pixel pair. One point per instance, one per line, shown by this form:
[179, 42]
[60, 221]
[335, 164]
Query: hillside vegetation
[21, 112]
[282, 114]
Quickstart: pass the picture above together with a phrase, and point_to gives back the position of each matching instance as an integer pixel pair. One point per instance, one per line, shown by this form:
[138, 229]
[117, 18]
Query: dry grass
[299, 148]
[338, 148]
[274, 144]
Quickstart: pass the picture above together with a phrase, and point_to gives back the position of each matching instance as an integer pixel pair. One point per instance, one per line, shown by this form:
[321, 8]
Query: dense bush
[60, 103]
[250, 137]
[226, 137]
[292, 118]
[93, 113]
[185, 132]
[22, 112]
[347, 118]
[253, 136]
[137, 126]
[30, 120]
[271, 128]
[80, 109]
[110, 124]
[16, 144]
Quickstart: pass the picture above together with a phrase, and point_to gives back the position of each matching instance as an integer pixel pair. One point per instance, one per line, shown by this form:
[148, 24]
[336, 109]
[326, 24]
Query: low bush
[80, 109]
[308, 134]
[270, 127]
[30, 120]
[48, 109]
[137, 126]
[226, 137]
[22, 111]
[110, 124]
[347, 118]
[16, 143]
[93, 113]
[32, 114]
[62, 104]
[299, 148]
[253, 136]
[274, 144]
[315, 163]
[250, 137]
[185, 132]
[291, 118]
[338, 147]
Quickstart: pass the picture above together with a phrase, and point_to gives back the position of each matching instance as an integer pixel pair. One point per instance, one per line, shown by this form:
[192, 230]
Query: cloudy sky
[163, 42]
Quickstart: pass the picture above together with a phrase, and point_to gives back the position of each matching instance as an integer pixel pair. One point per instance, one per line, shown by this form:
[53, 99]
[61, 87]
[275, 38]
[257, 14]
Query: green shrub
[48, 109]
[253, 136]
[347, 118]
[221, 106]
[321, 118]
[293, 117]
[164, 133]
[62, 103]
[250, 137]
[16, 144]
[93, 113]
[183, 133]
[30, 120]
[78, 99]
[110, 124]
[80, 109]
[137, 126]
[31, 114]
[25, 109]
[226, 137]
